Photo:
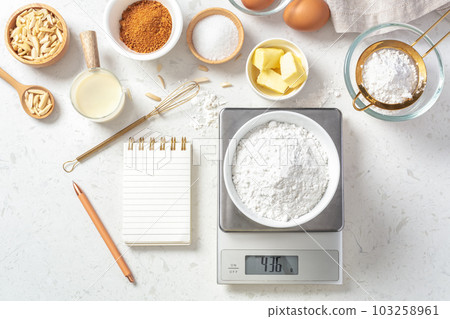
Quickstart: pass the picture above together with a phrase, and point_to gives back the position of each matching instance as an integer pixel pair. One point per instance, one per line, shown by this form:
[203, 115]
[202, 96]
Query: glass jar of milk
[97, 95]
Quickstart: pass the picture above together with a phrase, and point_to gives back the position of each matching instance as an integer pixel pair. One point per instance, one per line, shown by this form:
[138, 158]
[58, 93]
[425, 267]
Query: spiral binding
[151, 146]
[130, 143]
[162, 147]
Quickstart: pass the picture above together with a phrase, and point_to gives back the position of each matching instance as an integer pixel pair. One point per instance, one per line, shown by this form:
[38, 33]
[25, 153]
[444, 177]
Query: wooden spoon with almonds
[36, 100]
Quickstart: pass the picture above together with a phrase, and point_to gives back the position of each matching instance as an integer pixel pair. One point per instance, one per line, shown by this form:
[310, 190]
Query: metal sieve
[412, 53]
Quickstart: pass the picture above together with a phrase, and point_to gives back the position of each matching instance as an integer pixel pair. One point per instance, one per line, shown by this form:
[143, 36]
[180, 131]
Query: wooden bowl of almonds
[37, 35]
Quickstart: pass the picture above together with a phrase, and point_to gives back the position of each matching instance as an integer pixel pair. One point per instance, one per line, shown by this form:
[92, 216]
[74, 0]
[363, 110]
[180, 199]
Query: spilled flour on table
[280, 171]
[205, 108]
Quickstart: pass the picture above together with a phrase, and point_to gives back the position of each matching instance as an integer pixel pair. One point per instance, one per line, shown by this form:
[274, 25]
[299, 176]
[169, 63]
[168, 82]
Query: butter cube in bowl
[277, 69]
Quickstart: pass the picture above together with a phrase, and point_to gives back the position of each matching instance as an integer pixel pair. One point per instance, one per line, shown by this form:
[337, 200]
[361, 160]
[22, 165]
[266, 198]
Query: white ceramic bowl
[251, 70]
[325, 140]
[113, 14]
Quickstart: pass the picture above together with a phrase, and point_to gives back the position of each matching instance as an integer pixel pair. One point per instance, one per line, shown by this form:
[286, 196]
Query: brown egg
[257, 5]
[306, 15]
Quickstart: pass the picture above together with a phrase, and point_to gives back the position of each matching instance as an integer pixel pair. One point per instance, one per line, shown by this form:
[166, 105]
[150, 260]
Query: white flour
[281, 171]
[205, 109]
[390, 76]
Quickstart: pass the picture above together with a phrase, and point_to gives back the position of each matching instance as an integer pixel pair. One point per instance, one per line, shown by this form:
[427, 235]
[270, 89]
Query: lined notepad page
[157, 195]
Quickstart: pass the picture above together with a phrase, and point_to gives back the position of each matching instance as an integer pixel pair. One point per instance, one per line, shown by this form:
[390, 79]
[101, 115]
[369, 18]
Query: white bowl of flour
[281, 169]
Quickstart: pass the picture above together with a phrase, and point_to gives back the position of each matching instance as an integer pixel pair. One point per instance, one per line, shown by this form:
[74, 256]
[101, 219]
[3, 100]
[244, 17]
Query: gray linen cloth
[359, 15]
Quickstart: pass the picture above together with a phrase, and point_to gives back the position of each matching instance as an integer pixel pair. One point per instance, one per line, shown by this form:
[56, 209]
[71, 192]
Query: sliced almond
[153, 97]
[203, 68]
[226, 84]
[54, 49]
[159, 67]
[15, 32]
[45, 48]
[44, 101]
[36, 99]
[43, 29]
[46, 109]
[129, 94]
[24, 46]
[32, 22]
[36, 91]
[30, 98]
[201, 80]
[237, 57]
[44, 39]
[163, 83]
[36, 45]
[59, 35]
[29, 102]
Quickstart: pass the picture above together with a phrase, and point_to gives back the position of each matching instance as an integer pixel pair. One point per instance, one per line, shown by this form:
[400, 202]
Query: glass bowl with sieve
[405, 33]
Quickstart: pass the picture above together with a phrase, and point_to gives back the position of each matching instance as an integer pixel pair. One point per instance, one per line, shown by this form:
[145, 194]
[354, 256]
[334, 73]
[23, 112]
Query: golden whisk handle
[357, 108]
[69, 166]
[180, 95]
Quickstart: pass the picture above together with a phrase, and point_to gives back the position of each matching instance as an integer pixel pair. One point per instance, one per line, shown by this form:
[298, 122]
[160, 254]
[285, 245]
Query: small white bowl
[113, 14]
[251, 70]
[334, 166]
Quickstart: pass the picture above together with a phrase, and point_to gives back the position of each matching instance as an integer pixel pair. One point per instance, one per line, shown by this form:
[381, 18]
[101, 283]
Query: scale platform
[250, 253]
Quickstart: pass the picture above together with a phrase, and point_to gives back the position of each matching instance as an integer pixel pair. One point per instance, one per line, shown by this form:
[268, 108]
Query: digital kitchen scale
[250, 253]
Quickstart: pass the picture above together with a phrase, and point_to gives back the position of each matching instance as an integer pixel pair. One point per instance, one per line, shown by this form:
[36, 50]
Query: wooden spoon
[22, 89]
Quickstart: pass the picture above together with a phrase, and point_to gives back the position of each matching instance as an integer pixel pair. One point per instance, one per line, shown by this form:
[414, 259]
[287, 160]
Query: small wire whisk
[177, 97]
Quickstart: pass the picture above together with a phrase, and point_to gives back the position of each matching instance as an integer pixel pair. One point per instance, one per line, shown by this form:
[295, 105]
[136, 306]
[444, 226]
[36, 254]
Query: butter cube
[267, 58]
[292, 71]
[272, 80]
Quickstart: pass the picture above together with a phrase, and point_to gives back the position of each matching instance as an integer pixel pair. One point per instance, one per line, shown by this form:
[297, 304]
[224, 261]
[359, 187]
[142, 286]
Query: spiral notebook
[157, 192]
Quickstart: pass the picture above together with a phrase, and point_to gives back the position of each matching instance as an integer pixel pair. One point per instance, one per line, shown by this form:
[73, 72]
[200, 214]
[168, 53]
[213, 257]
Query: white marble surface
[396, 180]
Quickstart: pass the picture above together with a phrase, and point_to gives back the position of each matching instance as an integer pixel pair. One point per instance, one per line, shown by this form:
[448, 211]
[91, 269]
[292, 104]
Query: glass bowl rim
[283, 4]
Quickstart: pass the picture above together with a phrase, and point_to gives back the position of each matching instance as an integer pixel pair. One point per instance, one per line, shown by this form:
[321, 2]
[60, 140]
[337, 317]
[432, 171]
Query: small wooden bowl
[11, 24]
[209, 12]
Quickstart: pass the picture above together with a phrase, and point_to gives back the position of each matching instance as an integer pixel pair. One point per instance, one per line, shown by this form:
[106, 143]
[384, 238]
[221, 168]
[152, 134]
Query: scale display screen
[271, 265]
